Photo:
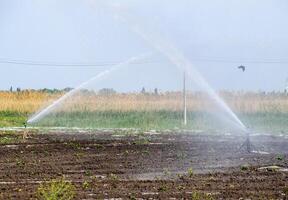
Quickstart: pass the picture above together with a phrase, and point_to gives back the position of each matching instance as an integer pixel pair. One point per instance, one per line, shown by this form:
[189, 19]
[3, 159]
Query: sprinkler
[248, 142]
[247, 145]
[25, 132]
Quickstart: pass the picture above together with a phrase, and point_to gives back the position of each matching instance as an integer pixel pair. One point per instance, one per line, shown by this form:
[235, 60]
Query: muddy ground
[105, 165]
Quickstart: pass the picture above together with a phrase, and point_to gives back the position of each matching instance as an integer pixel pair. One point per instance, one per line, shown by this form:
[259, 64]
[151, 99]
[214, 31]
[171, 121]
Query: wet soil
[105, 165]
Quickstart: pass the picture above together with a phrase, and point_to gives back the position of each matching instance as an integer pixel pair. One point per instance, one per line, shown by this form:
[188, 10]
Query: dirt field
[105, 165]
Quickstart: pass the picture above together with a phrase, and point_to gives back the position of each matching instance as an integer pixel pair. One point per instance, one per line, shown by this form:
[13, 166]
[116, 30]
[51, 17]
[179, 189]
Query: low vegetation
[10, 138]
[57, 189]
[259, 111]
[190, 172]
[201, 196]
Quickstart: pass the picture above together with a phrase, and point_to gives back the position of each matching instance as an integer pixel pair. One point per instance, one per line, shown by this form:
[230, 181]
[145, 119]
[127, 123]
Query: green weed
[163, 188]
[244, 167]
[57, 189]
[201, 196]
[280, 157]
[190, 172]
[113, 177]
[85, 185]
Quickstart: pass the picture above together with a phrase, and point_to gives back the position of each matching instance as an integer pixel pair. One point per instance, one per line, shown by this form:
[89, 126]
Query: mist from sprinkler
[163, 45]
[247, 145]
[175, 56]
[44, 112]
[172, 53]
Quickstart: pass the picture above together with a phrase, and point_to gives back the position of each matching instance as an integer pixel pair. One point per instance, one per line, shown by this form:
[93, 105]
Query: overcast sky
[216, 35]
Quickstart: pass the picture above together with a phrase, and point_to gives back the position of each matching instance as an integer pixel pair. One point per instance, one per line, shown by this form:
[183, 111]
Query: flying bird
[242, 67]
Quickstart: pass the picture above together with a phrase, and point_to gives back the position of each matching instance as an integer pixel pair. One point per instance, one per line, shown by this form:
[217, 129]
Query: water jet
[44, 112]
[173, 54]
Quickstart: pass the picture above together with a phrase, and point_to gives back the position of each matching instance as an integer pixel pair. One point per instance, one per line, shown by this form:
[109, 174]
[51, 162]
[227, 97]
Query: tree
[156, 91]
[107, 91]
[143, 91]
[11, 89]
[68, 89]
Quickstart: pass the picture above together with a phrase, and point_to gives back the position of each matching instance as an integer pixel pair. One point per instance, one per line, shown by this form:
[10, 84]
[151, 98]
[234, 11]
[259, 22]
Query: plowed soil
[105, 165]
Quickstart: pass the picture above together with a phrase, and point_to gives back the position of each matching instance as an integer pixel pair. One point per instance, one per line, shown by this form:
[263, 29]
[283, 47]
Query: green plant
[181, 187]
[132, 197]
[20, 163]
[146, 152]
[79, 155]
[57, 189]
[113, 177]
[88, 173]
[162, 188]
[126, 153]
[201, 196]
[85, 185]
[190, 172]
[244, 167]
[280, 157]
[8, 139]
[74, 145]
[141, 141]
[99, 146]
[166, 172]
[181, 176]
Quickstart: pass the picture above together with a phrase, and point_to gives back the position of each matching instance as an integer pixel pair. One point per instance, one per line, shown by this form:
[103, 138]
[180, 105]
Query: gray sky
[216, 35]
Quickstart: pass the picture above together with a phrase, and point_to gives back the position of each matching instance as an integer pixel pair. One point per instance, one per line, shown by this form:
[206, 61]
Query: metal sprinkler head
[25, 124]
[247, 145]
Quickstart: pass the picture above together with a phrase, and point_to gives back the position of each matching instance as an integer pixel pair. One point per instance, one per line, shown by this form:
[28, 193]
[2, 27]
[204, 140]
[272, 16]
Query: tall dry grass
[26, 101]
[32, 101]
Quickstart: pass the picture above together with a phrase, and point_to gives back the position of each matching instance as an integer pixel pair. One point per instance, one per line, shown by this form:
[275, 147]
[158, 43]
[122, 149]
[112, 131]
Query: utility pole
[286, 87]
[184, 100]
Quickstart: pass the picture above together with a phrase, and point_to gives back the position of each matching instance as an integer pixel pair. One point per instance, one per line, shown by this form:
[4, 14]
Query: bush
[57, 189]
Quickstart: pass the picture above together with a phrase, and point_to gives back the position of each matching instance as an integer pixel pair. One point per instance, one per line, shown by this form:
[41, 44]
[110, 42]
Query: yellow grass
[32, 101]
[24, 102]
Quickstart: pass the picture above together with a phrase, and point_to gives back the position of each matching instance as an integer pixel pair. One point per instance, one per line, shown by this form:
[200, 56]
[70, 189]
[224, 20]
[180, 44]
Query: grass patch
[190, 172]
[10, 118]
[10, 139]
[201, 196]
[145, 120]
[57, 189]
[274, 122]
[266, 121]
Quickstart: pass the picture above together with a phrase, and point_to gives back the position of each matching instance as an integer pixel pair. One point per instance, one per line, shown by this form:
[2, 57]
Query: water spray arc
[38, 116]
[175, 56]
[163, 45]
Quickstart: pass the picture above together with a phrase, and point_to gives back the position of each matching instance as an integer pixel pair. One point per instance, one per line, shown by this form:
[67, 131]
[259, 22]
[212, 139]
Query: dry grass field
[24, 102]
[31, 101]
